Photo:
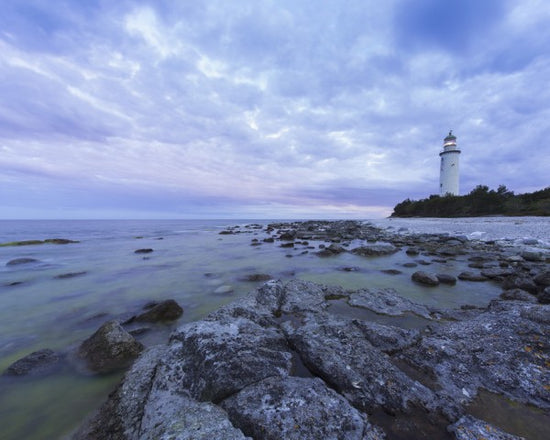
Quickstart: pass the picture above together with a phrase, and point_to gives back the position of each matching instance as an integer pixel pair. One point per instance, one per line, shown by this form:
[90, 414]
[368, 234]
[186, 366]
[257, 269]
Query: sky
[265, 108]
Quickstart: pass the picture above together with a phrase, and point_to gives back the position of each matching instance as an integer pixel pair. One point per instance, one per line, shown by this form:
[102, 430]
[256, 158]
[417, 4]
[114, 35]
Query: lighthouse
[448, 176]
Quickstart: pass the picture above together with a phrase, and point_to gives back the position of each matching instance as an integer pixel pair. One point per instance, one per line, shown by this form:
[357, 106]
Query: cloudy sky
[265, 108]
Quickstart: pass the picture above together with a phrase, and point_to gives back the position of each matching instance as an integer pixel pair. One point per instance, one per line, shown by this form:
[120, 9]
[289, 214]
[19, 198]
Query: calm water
[189, 263]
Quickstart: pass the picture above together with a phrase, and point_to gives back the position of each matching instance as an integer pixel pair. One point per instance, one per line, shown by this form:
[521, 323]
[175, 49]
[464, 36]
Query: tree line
[479, 202]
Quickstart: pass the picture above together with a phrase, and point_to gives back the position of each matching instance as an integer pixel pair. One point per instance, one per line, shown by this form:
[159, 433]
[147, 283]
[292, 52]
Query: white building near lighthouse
[448, 176]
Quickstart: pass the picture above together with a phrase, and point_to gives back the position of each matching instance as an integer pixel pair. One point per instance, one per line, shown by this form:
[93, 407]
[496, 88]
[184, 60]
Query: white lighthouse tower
[448, 176]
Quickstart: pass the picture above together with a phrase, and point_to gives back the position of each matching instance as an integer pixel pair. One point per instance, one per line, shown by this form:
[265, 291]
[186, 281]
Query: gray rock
[543, 278]
[517, 295]
[297, 408]
[375, 250]
[39, 362]
[446, 278]
[387, 302]
[497, 272]
[497, 349]
[532, 255]
[18, 261]
[255, 277]
[143, 251]
[167, 310]
[387, 338]
[216, 357]
[171, 415]
[119, 418]
[109, 348]
[222, 290]
[520, 281]
[336, 350]
[471, 276]
[544, 296]
[470, 428]
[425, 278]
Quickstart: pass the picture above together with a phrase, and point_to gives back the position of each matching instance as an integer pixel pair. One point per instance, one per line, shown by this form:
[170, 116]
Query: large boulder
[336, 350]
[109, 348]
[503, 350]
[297, 408]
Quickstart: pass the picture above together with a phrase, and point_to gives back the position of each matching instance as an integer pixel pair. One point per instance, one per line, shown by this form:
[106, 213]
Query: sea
[63, 296]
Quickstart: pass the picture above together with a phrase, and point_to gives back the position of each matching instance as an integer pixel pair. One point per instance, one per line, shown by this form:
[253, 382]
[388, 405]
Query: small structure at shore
[448, 175]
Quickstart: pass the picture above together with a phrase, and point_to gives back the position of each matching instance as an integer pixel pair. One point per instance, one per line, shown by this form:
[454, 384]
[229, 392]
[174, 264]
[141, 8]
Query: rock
[337, 351]
[287, 245]
[387, 302]
[167, 310]
[500, 350]
[246, 358]
[425, 278]
[109, 348]
[470, 428]
[349, 269]
[412, 252]
[223, 290]
[520, 282]
[375, 250]
[530, 241]
[446, 278]
[219, 356]
[411, 264]
[257, 277]
[18, 261]
[387, 338]
[287, 236]
[60, 241]
[391, 271]
[517, 295]
[544, 296]
[497, 272]
[296, 408]
[543, 278]
[226, 232]
[269, 240]
[64, 276]
[143, 251]
[39, 362]
[471, 276]
[532, 256]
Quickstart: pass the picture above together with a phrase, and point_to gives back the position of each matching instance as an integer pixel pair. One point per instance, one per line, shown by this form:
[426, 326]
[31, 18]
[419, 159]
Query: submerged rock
[425, 278]
[471, 276]
[167, 310]
[39, 362]
[143, 251]
[18, 261]
[109, 348]
[375, 250]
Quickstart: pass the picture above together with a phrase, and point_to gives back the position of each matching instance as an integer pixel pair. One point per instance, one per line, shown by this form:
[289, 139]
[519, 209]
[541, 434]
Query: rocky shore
[300, 360]
[286, 363]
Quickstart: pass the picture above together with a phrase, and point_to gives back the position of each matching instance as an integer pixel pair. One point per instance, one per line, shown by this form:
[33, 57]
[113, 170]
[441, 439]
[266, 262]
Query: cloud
[267, 108]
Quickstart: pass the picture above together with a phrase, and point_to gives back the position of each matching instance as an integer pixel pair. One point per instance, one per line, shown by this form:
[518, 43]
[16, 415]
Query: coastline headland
[302, 360]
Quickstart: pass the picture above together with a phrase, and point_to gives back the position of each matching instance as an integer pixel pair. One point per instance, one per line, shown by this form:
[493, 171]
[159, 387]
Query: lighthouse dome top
[450, 136]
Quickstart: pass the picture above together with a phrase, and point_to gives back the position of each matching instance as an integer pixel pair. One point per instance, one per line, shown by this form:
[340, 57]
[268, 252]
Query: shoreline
[284, 311]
